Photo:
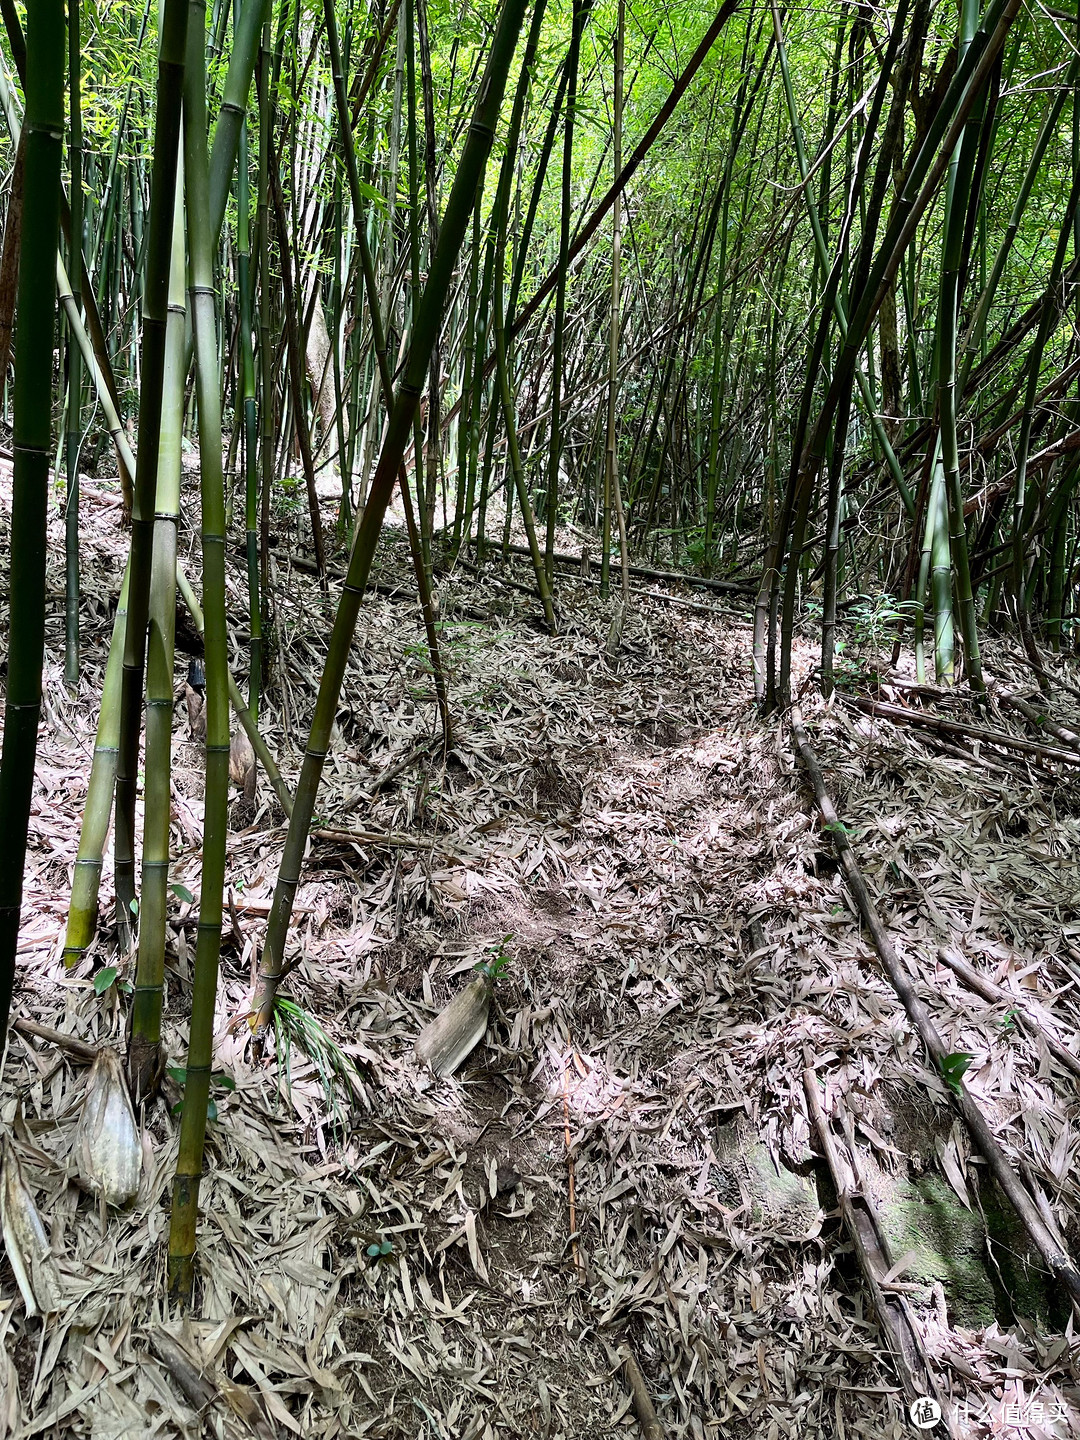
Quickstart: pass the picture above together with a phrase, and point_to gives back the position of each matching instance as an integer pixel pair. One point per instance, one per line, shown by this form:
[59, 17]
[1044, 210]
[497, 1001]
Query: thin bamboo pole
[30, 483]
[144, 1045]
[75, 369]
[97, 809]
[155, 304]
[425, 328]
[612, 492]
[250, 420]
[202, 303]
[579, 17]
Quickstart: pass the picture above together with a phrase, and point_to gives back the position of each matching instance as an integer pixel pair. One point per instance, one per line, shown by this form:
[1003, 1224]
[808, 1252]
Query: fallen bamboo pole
[385, 838]
[1039, 719]
[1048, 1243]
[644, 1409]
[646, 572]
[898, 1324]
[971, 732]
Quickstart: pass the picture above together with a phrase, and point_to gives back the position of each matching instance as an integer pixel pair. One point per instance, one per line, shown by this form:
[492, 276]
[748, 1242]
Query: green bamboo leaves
[43, 129]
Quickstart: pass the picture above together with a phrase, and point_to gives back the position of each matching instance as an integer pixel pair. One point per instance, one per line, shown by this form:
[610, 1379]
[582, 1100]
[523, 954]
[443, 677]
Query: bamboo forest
[540, 779]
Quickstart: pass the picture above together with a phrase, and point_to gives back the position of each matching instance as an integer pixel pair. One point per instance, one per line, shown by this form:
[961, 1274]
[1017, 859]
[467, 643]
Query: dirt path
[641, 849]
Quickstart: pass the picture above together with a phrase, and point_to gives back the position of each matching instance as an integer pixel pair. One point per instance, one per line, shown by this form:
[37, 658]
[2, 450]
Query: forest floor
[642, 849]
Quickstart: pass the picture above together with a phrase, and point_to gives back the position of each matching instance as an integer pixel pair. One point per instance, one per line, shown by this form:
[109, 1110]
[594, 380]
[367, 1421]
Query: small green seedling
[953, 1069]
[1009, 1019]
[218, 1079]
[496, 967]
[108, 977]
[379, 1249]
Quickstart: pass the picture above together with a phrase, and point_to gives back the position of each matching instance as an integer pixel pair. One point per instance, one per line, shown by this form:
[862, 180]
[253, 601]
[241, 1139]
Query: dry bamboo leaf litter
[634, 840]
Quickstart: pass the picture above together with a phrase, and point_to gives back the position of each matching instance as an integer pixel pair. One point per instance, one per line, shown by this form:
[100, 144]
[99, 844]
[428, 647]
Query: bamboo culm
[155, 304]
[426, 324]
[203, 307]
[44, 129]
[144, 1045]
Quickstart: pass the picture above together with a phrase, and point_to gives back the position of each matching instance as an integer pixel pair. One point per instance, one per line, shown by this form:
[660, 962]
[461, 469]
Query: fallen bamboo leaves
[1045, 1237]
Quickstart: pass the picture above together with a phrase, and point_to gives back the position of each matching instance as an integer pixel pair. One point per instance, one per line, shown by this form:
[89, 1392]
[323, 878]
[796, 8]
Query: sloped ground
[642, 849]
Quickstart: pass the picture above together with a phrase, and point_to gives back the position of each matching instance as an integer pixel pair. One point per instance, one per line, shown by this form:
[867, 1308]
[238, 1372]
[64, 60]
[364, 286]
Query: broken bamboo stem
[898, 1324]
[75, 1047]
[644, 1409]
[1039, 720]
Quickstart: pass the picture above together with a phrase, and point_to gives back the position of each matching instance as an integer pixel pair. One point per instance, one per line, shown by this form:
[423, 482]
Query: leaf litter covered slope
[400, 1261]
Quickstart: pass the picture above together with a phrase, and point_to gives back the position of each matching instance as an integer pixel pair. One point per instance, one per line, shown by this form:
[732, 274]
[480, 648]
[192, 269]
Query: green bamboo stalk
[421, 565]
[75, 372]
[341, 413]
[144, 1044]
[250, 418]
[233, 111]
[266, 372]
[579, 16]
[414, 264]
[203, 307]
[960, 196]
[462, 527]
[170, 79]
[427, 480]
[97, 810]
[425, 328]
[30, 484]
[721, 338]
[612, 493]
